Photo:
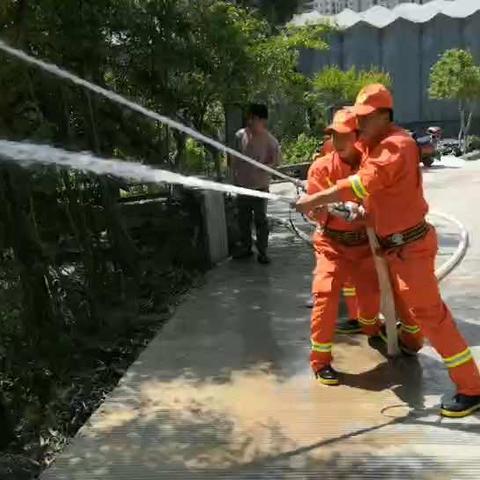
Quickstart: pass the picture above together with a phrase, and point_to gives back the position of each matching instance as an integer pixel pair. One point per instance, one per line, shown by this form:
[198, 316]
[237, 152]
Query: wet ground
[225, 391]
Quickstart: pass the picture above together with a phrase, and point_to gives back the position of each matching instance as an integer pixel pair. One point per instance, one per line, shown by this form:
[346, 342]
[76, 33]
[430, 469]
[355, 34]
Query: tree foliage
[316, 100]
[456, 77]
[333, 87]
[77, 271]
[277, 12]
[301, 148]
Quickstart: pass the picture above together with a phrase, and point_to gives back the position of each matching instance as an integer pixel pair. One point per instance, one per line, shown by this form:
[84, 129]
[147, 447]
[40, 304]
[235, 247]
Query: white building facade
[332, 7]
[405, 42]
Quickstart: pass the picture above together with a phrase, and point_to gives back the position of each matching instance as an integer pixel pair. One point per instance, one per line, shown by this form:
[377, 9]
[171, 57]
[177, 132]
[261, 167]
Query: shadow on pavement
[200, 443]
[437, 166]
[226, 393]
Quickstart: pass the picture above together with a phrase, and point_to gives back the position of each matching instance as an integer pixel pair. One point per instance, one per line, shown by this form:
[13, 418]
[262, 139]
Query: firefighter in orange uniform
[349, 293]
[389, 183]
[342, 251]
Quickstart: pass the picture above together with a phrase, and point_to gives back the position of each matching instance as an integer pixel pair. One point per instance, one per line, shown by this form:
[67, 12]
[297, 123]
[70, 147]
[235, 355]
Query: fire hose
[441, 272]
[387, 300]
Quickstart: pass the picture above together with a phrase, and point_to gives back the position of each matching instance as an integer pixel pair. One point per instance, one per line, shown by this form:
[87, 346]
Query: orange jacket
[389, 182]
[324, 172]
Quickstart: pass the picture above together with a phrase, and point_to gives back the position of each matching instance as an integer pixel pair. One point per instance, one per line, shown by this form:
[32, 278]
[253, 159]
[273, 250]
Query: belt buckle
[397, 239]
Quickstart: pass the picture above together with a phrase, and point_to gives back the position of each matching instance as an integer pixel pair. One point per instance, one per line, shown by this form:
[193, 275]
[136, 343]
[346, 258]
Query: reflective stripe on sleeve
[358, 187]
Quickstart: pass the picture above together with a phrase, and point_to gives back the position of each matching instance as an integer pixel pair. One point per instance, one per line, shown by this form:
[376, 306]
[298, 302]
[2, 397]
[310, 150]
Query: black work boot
[348, 326]
[460, 406]
[263, 259]
[327, 375]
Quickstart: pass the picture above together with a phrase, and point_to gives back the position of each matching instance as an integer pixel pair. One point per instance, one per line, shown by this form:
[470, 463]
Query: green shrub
[195, 157]
[300, 149]
[473, 143]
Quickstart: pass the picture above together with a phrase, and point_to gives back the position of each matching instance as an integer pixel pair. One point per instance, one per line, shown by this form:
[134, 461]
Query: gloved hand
[349, 211]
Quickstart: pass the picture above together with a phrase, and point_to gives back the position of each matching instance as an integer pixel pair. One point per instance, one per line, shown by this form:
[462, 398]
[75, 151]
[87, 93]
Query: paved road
[225, 391]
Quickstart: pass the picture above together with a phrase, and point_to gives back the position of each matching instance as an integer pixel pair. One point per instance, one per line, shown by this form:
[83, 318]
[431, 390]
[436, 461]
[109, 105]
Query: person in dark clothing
[258, 143]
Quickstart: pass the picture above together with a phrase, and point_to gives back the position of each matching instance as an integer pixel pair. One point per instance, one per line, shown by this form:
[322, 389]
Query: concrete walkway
[225, 390]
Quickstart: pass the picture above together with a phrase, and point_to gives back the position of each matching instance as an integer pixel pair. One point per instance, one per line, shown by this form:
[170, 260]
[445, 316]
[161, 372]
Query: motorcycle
[428, 145]
[450, 146]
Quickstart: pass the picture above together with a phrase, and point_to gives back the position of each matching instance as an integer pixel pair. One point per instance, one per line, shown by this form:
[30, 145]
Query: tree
[206, 58]
[188, 60]
[456, 77]
[277, 12]
[334, 88]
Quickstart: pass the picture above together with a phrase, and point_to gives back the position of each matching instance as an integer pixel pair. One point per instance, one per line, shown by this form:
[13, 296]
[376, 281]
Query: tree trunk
[125, 251]
[39, 312]
[78, 223]
[181, 142]
[216, 160]
[467, 129]
[6, 434]
[462, 122]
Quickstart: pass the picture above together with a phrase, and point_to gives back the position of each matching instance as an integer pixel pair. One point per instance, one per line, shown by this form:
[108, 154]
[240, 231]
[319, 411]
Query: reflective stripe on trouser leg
[321, 347]
[370, 326]
[350, 297]
[414, 282]
[410, 329]
[459, 359]
[442, 332]
[410, 333]
[364, 276]
[463, 370]
[323, 321]
[349, 291]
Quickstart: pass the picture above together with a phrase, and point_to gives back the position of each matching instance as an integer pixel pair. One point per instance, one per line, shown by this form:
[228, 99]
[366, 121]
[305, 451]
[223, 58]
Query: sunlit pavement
[225, 390]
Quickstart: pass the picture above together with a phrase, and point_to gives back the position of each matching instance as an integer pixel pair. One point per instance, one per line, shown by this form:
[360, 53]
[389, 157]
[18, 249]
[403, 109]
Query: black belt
[349, 239]
[402, 238]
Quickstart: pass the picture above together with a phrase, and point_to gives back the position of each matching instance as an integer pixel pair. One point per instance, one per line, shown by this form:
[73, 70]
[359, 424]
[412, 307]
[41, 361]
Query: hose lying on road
[290, 224]
[444, 270]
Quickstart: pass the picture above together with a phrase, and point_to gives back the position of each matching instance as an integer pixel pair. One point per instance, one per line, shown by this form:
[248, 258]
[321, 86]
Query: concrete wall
[361, 46]
[405, 68]
[407, 51]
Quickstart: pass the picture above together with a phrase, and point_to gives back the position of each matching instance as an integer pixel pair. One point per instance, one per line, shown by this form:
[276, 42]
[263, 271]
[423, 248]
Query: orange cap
[371, 98]
[344, 121]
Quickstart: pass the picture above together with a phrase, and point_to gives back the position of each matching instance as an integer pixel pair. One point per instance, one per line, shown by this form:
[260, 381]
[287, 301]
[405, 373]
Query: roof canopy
[380, 17]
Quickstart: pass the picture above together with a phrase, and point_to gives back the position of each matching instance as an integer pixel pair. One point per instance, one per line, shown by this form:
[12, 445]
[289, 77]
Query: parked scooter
[428, 145]
[450, 146]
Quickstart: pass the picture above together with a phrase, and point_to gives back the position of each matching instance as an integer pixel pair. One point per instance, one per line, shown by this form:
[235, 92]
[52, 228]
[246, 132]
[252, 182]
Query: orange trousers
[335, 264]
[349, 293]
[423, 313]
